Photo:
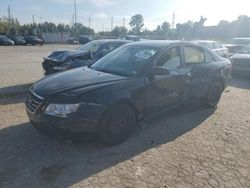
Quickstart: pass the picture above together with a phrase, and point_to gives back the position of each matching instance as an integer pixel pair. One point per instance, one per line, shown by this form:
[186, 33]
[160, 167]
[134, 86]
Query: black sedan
[60, 61]
[18, 40]
[132, 83]
[6, 41]
[241, 61]
[33, 40]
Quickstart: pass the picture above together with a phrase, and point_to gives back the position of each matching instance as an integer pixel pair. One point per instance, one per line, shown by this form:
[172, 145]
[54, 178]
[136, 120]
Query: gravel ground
[187, 147]
[20, 65]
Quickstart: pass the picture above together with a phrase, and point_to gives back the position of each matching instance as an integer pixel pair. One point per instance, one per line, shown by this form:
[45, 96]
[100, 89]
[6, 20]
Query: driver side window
[171, 59]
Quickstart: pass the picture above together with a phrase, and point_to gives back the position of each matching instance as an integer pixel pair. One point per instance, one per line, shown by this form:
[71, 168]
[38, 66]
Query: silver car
[216, 47]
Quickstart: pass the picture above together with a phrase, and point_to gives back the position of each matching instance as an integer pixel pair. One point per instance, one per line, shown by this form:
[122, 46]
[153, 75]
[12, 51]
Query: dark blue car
[87, 54]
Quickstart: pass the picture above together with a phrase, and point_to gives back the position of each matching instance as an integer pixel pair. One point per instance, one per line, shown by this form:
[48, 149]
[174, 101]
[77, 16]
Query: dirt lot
[187, 147]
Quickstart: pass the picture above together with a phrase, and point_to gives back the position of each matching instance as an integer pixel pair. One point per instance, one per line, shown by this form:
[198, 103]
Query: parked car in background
[84, 55]
[18, 40]
[84, 39]
[72, 40]
[216, 47]
[237, 44]
[134, 82]
[6, 41]
[33, 40]
[132, 38]
[241, 61]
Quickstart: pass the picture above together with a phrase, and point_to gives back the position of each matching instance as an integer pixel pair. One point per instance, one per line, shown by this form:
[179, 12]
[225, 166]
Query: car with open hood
[87, 54]
[129, 85]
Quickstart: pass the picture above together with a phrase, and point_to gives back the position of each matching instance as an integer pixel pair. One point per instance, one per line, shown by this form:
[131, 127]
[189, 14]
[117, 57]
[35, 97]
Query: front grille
[33, 101]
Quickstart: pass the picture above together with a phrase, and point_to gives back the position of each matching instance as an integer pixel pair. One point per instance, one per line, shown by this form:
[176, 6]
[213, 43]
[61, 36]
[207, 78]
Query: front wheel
[213, 95]
[117, 124]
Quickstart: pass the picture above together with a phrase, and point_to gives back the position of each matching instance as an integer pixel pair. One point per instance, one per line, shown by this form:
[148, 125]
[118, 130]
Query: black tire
[214, 95]
[117, 124]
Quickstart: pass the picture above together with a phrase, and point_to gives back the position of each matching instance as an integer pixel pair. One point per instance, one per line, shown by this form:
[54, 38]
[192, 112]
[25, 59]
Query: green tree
[165, 29]
[137, 23]
[82, 30]
[4, 26]
[119, 31]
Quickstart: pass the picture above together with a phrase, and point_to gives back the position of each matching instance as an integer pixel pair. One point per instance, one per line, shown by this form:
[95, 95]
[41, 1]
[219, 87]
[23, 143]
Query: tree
[136, 23]
[4, 26]
[119, 31]
[165, 29]
[82, 30]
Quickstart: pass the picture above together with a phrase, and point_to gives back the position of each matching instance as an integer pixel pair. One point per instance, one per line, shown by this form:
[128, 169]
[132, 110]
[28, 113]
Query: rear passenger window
[193, 55]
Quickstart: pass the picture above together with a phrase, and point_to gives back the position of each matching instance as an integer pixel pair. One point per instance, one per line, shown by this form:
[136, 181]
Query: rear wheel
[117, 124]
[213, 95]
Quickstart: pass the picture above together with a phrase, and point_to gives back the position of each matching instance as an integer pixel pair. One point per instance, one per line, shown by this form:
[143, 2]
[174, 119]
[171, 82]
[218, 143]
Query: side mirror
[159, 71]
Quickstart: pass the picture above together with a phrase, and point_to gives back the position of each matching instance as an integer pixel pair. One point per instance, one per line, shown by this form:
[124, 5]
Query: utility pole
[112, 22]
[173, 22]
[33, 19]
[75, 16]
[89, 22]
[9, 15]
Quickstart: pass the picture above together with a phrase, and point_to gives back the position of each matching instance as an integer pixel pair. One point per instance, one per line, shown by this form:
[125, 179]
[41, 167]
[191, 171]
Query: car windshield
[245, 50]
[126, 61]
[91, 46]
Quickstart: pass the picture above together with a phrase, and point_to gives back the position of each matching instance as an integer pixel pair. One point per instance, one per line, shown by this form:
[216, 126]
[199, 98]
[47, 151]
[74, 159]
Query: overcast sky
[154, 11]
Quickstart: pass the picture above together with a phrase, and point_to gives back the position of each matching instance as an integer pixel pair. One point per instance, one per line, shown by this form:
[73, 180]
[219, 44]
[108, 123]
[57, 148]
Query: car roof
[205, 41]
[160, 43]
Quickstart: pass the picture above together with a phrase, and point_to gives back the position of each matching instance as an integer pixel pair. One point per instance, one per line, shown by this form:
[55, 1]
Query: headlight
[61, 110]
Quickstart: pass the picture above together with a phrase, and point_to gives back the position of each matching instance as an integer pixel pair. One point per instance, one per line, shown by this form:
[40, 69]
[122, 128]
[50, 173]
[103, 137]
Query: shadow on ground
[14, 90]
[14, 99]
[29, 159]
